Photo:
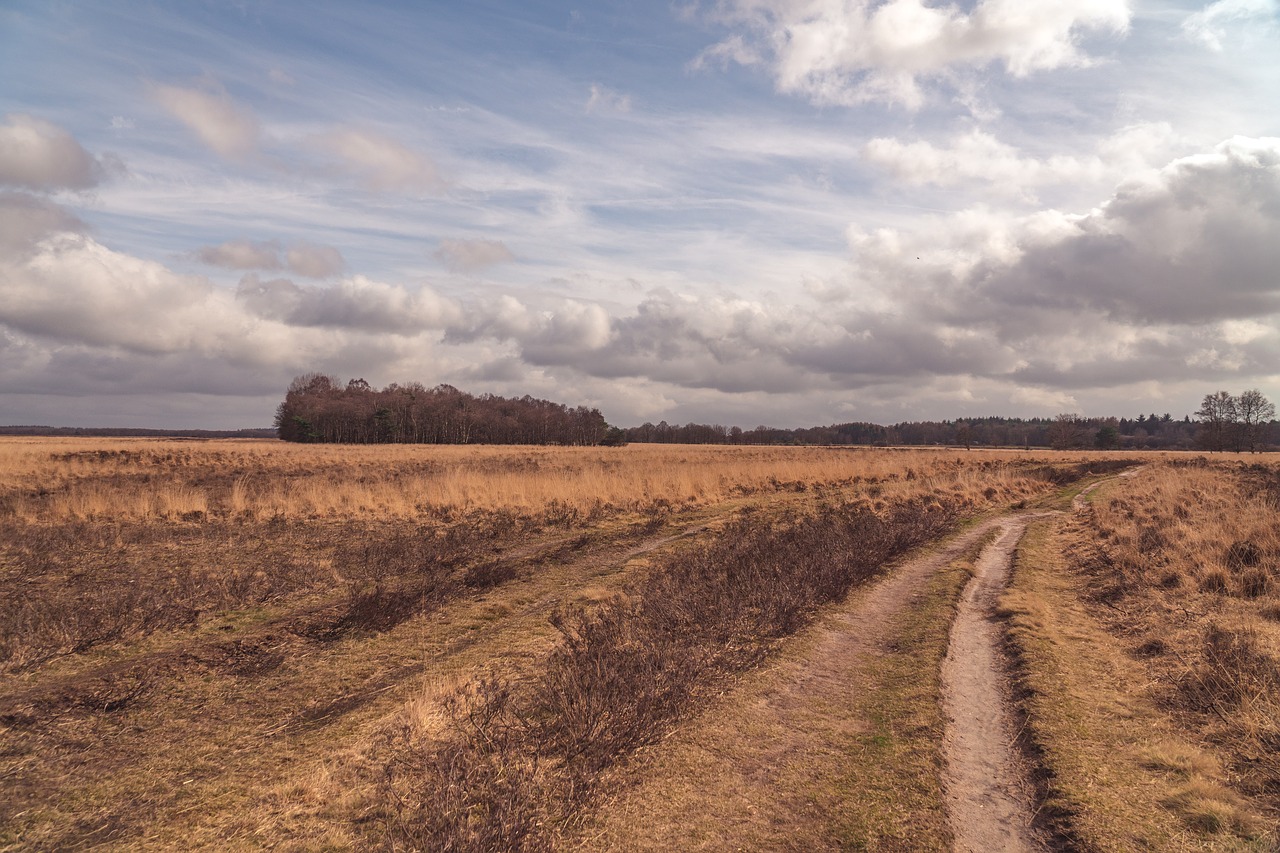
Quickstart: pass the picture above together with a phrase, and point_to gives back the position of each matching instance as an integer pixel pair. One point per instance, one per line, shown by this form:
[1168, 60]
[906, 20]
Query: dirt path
[990, 800]
[763, 770]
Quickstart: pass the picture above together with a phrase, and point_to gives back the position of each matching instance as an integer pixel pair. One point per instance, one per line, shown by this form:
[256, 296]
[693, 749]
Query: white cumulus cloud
[854, 51]
[242, 255]
[978, 156]
[312, 261]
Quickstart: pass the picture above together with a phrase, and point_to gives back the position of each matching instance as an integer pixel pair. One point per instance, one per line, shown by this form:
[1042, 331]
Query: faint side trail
[990, 800]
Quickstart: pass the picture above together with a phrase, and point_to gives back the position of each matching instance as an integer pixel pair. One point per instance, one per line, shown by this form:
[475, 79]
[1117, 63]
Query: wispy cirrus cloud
[229, 129]
[382, 163]
[462, 255]
[1211, 24]
[302, 258]
[604, 99]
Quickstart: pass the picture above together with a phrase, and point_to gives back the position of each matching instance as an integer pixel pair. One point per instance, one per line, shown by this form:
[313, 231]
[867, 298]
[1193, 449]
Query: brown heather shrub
[625, 672]
[1242, 554]
[105, 540]
[1215, 581]
[485, 793]
[80, 589]
[1255, 583]
[1233, 671]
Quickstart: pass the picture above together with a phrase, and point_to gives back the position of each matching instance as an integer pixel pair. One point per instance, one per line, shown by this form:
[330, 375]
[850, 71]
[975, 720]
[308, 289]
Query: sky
[781, 212]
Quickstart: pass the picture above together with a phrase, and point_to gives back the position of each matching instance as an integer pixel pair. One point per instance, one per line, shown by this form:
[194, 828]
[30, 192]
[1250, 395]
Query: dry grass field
[244, 644]
[1148, 628]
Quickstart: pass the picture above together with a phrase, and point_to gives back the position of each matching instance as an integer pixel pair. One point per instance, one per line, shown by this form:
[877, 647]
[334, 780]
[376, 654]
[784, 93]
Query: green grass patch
[891, 797]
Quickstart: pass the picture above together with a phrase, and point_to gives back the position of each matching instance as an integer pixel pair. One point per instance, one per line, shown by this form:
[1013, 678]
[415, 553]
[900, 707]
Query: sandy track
[746, 771]
[990, 799]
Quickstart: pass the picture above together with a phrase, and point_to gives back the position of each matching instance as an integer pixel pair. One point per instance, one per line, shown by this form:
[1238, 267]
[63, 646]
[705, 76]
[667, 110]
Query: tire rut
[990, 798]
[750, 792]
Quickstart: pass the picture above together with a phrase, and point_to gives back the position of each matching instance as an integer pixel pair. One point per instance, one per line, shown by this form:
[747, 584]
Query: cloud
[977, 156]
[26, 219]
[471, 255]
[1209, 25]
[302, 258]
[242, 255]
[84, 319]
[38, 155]
[603, 99]
[314, 261]
[229, 129]
[1170, 279]
[75, 289]
[851, 52]
[1197, 242]
[355, 303]
[381, 162]
[733, 50]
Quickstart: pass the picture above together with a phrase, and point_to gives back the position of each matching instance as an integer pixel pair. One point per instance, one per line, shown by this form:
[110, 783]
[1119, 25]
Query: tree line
[319, 408]
[1224, 422]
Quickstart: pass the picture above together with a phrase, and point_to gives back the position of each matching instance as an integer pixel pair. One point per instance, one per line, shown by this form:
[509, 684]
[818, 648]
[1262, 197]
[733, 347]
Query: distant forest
[136, 432]
[1145, 431]
[1224, 422]
[318, 408]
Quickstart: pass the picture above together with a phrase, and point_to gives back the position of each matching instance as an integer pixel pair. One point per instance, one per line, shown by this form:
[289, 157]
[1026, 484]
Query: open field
[241, 644]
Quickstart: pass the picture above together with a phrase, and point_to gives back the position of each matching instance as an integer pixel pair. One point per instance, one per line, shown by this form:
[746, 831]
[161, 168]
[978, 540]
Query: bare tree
[1254, 412]
[1066, 431]
[1219, 416]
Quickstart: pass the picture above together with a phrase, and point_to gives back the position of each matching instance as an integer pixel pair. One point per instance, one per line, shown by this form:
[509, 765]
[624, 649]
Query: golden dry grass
[1145, 653]
[229, 564]
[148, 479]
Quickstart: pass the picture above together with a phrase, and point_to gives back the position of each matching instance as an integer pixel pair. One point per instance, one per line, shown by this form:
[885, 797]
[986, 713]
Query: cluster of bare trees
[318, 408]
[1235, 423]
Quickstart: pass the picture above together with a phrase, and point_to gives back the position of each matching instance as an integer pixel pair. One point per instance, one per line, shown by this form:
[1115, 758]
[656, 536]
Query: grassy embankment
[1147, 629]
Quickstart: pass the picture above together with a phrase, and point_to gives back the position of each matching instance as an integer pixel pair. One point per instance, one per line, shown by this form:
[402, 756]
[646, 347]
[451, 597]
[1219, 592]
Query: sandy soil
[990, 800]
